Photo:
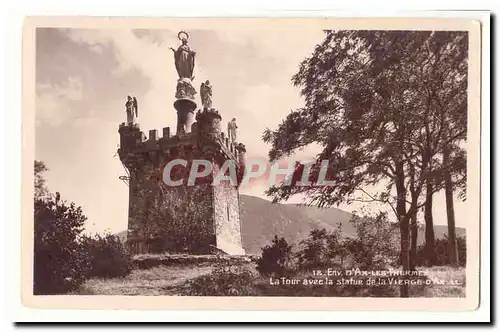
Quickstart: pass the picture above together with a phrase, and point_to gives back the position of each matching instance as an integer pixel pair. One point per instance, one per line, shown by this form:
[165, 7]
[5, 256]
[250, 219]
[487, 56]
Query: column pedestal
[185, 115]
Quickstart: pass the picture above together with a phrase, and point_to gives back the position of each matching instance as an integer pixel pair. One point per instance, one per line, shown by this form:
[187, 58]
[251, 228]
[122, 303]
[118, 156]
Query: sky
[84, 75]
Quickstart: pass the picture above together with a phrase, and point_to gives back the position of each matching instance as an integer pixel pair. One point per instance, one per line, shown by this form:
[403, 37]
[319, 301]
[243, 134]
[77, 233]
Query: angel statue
[136, 109]
[131, 109]
[206, 94]
[184, 57]
[129, 106]
[231, 130]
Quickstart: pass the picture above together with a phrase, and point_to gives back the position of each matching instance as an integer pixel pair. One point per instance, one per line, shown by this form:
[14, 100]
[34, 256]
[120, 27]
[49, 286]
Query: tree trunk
[403, 226]
[430, 242]
[405, 251]
[450, 213]
[414, 235]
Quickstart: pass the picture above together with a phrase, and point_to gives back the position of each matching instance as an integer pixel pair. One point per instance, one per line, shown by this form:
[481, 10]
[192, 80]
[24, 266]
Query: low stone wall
[146, 261]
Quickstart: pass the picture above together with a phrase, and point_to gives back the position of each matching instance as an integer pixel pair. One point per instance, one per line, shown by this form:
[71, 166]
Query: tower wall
[184, 219]
[227, 218]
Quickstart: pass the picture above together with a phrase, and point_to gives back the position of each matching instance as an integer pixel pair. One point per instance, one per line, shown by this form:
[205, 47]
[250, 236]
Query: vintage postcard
[251, 163]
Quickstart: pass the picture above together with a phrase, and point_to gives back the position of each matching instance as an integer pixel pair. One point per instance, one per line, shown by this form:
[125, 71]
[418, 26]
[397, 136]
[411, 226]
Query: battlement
[208, 112]
[206, 132]
[139, 144]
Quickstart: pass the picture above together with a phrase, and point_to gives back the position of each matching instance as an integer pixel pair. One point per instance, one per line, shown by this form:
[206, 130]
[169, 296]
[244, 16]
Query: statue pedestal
[209, 123]
[185, 115]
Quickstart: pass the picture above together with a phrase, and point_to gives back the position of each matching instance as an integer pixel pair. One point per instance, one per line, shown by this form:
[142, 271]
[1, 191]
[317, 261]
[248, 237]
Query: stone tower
[202, 218]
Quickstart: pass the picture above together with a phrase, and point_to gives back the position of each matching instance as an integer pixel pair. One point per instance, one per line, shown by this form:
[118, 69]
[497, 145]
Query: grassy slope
[161, 280]
[172, 280]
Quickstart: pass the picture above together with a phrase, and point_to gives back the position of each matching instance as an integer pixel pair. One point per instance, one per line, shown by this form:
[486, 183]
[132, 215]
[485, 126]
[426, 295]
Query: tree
[41, 190]
[377, 105]
[446, 83]
[319, 249]
[63, 256]
[275, 259]
[60, 262]
[430, 244]
[375, 245]
[454, 177]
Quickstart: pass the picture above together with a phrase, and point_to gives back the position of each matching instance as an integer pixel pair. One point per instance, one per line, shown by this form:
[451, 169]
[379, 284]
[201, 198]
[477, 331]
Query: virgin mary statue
[184, 58]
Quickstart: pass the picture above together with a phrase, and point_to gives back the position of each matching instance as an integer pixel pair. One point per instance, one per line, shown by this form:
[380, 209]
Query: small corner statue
[206, 95]
[131, 109]
[231, 130]
[184, 57]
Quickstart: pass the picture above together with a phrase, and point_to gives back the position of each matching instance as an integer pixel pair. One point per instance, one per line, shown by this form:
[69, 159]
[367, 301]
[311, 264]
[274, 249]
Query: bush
[60, 262]
[225, 280]
[63, 258]
[108, 256]
[320, 249]
[441, 252]
[276, 258]
[376, 242]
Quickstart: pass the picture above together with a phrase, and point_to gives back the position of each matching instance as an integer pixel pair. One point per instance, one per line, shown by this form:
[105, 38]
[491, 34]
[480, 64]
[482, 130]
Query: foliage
[375, 102]
[225, 280]
[384, 106]
[108, 256]
[186, 217]
[319, 249]
[275, 258]
[63, 257]
[375, 245]
[60, 262]
[41, 190]
[441, 252]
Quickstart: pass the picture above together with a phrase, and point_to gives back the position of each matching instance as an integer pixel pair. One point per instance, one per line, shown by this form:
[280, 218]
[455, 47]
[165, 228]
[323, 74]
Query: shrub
[225, 280]
[108, 256]
[276, 258]
[375, 245]
[441, 252]
[320, 249]
[60, 262]
[63, 258]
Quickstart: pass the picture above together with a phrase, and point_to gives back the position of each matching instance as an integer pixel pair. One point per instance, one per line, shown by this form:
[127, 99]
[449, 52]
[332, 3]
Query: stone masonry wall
[183, 219]
[227, 218]
[170, 219]
[164, 218]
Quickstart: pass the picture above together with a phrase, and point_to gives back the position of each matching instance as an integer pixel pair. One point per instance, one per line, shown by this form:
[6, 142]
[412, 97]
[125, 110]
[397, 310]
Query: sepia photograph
[293, 159]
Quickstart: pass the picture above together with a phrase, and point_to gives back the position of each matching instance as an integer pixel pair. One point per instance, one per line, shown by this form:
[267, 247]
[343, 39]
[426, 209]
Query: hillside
[261, 220]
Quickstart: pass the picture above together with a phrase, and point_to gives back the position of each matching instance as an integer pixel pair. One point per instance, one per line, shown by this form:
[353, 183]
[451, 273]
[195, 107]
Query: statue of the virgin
[184, 57]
